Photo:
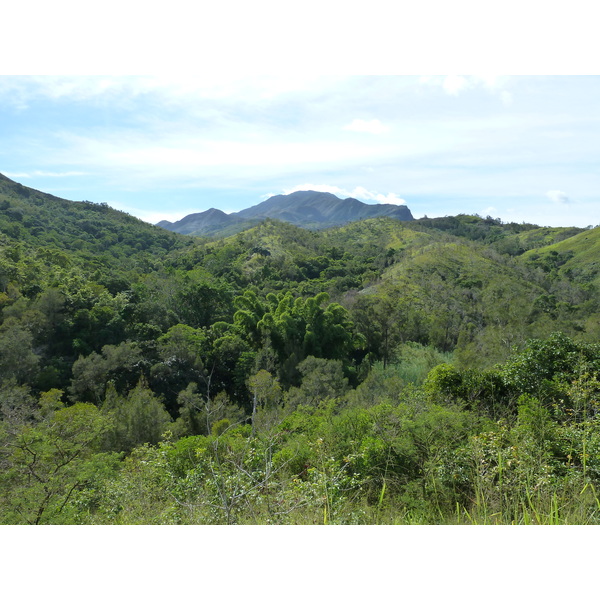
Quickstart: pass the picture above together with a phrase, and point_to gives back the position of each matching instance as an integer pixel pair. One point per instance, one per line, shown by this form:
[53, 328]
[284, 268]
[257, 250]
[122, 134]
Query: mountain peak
[304, 208]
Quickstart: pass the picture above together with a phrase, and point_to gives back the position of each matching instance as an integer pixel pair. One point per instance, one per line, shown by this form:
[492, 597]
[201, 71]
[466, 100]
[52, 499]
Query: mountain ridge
[308, 209]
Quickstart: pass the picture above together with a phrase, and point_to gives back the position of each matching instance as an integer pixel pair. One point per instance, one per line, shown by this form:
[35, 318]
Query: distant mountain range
[308, 209]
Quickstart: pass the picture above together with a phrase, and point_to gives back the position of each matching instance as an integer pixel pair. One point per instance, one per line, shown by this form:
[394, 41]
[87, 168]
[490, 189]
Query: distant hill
[307, 209]
[76, 277]
[577, 257]
[42, 220]
[205, 223]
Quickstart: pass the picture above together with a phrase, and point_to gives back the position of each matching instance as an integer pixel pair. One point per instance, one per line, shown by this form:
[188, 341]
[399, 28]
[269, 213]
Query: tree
[181, 350]
[322, 379]
[198, 413]
[379, 318]
[544, 364]
[122, 365]
[48, 458]
[266, 394]
[140, 418]
[202, 300]
[296, 328]
[17, 359]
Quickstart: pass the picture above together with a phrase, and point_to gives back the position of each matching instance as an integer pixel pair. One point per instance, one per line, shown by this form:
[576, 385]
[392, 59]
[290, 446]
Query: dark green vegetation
[433, 371]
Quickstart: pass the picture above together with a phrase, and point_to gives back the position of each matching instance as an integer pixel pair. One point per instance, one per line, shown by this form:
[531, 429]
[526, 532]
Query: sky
[521, 148]
[164, 109]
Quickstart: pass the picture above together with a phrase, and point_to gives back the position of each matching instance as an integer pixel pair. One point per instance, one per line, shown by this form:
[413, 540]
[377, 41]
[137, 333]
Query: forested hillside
[429, 371]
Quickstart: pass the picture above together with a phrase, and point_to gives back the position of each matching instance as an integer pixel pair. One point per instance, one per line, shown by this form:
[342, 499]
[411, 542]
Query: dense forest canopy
[434, 371]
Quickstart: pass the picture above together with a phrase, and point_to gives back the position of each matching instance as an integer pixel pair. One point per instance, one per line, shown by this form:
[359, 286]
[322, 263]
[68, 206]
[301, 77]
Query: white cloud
[506, 97]
[21, 90]
[456, 84]
[453, 84]
[492, 82]
[167, 89]
[43, 174]
[558, 197]
[362, 126]
[390, 198]
[153, 216]
[449, 138]
[360, 193]
[180, 155]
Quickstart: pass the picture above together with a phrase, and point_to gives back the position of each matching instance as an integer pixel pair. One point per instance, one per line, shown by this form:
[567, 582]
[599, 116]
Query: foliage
[48, 457]
[139, 419]
[434, 371]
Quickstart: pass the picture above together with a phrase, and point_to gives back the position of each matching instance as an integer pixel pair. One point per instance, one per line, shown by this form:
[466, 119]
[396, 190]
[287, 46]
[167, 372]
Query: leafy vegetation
[431, 371]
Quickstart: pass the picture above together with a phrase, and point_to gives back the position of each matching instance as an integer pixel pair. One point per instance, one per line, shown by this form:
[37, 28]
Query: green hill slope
[576, 258]
[465, 284]
[385, 362]
[45, 221]
[459, 292]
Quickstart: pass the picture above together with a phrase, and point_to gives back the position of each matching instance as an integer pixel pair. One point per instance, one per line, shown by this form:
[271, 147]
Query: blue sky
[521, 148]
[237, 101]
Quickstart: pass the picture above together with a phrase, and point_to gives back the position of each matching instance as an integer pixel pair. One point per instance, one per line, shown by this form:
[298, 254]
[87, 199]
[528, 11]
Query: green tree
[198, 413]
[140, 418]
[181, 351]
[544, 366]
[322, 379]
[17, 358]
[296, 328]
[380, 319]
[48, 460]
[122, 365]
[266, 396]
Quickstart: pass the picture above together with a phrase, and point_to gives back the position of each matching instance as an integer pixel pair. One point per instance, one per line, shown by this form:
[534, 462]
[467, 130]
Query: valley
[345, 364]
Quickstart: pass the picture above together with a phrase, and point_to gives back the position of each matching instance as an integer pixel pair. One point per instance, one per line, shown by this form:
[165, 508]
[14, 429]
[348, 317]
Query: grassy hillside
[576, 257]
[506, 238]
[435, 371]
